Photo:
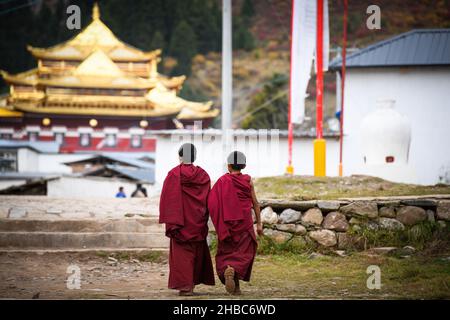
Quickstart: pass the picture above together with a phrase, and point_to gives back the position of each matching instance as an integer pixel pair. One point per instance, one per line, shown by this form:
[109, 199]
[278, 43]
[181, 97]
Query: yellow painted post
[340, 169]
[319, 158]
[290, 170]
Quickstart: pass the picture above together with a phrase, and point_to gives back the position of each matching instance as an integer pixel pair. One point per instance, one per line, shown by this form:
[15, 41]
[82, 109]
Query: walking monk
[183, 208]
[230, 203]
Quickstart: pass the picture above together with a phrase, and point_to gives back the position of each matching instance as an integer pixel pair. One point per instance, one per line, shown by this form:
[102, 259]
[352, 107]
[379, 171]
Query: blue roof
[38, 146]
[423, 47]
[124, 159]
[28, 175]
[138, 174]
[130, 161]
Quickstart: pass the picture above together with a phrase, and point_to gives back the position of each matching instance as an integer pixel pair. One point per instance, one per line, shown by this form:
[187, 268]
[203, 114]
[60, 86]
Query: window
[6, 136]
[33, 136]
[85, 139]
[390, 159]
[111, 140]
[136, 141]
[59, 137]
[8, 161]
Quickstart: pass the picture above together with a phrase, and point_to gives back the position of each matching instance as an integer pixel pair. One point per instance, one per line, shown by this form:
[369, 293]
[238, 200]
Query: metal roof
[28, 175]
[282, 133]
[139, 175]
[38, 146]
[128, 160]
[423, 47]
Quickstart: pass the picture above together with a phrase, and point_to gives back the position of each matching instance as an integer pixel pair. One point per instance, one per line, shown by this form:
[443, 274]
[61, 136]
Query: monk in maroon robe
[230, 203]
[183, 208]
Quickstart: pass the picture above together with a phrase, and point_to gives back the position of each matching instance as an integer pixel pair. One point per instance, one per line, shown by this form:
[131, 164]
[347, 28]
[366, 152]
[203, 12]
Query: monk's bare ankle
[237, 290]
[186, 293]
[230, 285]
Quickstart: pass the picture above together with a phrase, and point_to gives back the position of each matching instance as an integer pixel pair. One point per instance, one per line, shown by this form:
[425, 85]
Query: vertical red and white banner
[303, 43]
[303, 47]
[326, 36]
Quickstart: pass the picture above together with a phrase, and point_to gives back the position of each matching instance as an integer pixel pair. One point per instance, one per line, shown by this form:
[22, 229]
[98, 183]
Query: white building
[413, 69]
[396, 121]
[40, 167]
[266, 152]
[406, 142]
[34, 157]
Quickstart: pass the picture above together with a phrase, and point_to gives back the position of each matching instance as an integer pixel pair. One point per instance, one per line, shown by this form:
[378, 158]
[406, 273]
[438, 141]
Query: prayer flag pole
[319, 142]
[341, 115]
[290, 168]
[226, 77]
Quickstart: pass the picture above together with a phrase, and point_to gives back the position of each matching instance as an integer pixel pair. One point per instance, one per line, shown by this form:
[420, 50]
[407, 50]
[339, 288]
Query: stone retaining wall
[333, 223]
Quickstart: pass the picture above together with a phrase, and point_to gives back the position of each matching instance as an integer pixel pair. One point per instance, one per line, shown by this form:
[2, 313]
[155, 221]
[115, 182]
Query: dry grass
[297, 276]
[309, 187]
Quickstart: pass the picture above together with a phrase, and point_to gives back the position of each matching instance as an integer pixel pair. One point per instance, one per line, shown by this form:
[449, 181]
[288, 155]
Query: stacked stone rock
[327, 222]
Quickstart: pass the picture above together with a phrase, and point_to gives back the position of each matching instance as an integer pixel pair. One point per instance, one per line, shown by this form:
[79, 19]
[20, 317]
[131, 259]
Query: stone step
[78, 250]
[88, 225]
[82, 240]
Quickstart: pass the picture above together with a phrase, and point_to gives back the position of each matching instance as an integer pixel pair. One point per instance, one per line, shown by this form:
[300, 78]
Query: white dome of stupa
[385, 135]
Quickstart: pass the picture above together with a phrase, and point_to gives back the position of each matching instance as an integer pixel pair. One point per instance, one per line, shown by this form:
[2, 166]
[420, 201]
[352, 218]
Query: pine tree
[183, 47]
[204, 24]
[274, 113]
[158, 41]
[247, 9]
[242, 37]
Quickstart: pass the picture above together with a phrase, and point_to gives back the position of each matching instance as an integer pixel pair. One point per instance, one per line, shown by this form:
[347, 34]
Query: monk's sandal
[230, 285]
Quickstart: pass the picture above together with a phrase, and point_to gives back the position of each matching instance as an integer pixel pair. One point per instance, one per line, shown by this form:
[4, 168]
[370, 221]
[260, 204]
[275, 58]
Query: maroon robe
[183, 208]
[230, 204]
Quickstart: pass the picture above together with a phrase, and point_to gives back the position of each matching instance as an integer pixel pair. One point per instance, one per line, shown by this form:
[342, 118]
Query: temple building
[95, 92]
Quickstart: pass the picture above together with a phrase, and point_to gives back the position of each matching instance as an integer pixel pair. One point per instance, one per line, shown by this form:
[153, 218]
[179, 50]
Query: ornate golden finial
[95, 12]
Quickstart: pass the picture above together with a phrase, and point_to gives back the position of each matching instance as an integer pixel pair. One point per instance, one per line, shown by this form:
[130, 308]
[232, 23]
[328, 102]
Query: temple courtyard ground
[143, 275]
[27, 273]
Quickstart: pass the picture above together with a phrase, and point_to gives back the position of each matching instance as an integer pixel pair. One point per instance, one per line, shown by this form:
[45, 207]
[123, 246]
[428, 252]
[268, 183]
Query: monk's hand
[259, 229]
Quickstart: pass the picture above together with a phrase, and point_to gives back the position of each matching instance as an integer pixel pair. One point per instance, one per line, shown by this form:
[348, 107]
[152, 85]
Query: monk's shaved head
[236, 160]
[187, 153]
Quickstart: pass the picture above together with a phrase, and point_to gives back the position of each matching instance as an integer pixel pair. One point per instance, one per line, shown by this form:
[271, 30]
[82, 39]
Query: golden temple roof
[189, 114]
[187, 109]
[100, 110]
[58, 89]
[8, 113]
[174, 82]
[29, 77]
[95, 36]
[99, 71]
[98, 64]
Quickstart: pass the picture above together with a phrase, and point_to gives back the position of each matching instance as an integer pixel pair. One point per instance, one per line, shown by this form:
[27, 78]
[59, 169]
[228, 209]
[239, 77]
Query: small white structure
[386, 138]
[413, 69]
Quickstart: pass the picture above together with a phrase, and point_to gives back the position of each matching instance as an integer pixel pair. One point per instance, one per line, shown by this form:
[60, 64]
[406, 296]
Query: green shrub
[296, 245]
[417, 236]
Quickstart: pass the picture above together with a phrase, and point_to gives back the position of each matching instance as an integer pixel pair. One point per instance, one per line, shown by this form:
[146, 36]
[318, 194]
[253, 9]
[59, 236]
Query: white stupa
[386, 138]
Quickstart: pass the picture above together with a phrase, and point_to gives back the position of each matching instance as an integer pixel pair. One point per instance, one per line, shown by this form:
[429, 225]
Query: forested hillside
[189, 32]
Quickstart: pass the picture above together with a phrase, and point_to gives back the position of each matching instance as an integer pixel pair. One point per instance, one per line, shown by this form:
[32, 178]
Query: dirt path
[23, 275]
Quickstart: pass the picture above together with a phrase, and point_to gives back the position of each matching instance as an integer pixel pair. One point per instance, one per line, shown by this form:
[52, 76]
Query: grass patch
[296, 245]
[419, 236]
[266, 246]
[296, 276]
[309, 187]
